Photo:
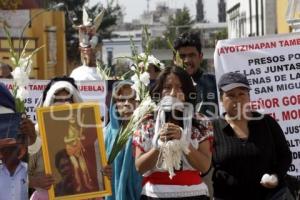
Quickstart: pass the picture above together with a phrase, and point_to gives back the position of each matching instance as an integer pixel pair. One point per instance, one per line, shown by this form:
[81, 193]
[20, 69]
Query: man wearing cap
[233, 80]
[250, 155]
[189, 48]
[7, 105]
[13, 171]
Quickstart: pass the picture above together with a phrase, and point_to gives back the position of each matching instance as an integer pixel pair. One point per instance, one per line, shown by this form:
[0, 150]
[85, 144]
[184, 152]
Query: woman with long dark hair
[174, 125]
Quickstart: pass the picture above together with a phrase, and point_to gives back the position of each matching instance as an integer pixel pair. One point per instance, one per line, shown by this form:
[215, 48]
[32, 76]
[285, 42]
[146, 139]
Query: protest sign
[272, 66]
[91, 91]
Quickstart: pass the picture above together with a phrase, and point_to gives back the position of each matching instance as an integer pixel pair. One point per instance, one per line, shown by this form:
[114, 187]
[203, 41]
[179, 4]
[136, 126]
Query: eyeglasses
[123, 100]
[63, 100]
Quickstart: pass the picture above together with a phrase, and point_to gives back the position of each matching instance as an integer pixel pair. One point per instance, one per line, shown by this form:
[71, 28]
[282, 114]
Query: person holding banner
[126, 182]
[173, 128]
[188, 47]
[251, 156]
[60, 90]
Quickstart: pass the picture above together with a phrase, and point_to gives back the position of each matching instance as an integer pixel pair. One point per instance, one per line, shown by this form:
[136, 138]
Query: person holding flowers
[126, 182]
[171, 139]
[130, 102]
[13, 170]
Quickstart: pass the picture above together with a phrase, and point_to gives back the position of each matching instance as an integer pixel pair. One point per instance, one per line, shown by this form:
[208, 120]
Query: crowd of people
[239, 154]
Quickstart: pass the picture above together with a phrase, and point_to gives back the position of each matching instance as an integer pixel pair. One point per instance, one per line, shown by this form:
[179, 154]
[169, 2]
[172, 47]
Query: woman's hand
[170, 131]
[107, 171]
[43, 181]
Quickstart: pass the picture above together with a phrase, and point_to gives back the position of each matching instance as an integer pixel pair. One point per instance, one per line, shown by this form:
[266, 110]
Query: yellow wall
[282, 25]
[38, 29]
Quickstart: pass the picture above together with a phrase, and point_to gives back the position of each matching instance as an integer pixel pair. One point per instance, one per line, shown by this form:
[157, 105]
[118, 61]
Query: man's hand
[27, 128]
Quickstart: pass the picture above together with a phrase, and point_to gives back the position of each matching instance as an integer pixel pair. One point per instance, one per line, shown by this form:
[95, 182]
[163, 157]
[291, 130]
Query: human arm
[36, 174]
[146, 154]
[200, 158]
[27, 128]
[283, 156]
[145, 161]
[41, 181]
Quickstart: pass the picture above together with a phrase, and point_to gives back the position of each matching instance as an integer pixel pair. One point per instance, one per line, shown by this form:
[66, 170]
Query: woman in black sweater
[251, 156]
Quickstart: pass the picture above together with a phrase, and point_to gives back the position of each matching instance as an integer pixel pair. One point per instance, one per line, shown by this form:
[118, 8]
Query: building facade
[41, 27]
[251, 18]
[200, 11]
[288, 16]
[221, 11]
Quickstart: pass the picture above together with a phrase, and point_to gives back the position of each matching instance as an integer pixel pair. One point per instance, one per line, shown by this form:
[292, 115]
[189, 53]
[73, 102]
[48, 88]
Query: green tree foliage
[112, 13]
[222, 34]
[177, 24]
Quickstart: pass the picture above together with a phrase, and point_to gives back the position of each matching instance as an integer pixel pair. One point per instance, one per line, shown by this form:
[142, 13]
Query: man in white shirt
[89, 50]
[88, 70]
[13, 172]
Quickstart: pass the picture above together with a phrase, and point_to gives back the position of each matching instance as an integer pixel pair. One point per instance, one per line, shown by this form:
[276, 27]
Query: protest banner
[91, 91]
[272, 66]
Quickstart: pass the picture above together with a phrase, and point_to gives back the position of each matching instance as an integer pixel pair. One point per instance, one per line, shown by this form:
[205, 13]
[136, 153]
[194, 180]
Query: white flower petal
[142, 56]
[132, 68]
[20, 77]
[22, 93]
[153, 60]
[161, 66]
[145, 78]
[135, 78]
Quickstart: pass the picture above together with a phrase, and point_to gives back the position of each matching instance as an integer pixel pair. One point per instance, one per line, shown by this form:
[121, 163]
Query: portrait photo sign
[73, 150]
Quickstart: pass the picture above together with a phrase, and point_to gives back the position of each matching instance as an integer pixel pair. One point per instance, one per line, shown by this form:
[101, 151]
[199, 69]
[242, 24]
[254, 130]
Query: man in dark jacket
[188, 47]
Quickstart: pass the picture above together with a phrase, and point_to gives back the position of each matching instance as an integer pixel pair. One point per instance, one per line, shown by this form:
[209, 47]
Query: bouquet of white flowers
[22, 68]
[141, 80]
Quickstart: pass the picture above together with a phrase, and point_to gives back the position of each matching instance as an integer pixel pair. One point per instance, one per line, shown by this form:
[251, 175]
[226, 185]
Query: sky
[134, 8]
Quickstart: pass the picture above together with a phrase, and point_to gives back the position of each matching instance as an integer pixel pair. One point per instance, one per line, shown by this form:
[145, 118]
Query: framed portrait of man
[73, 150]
